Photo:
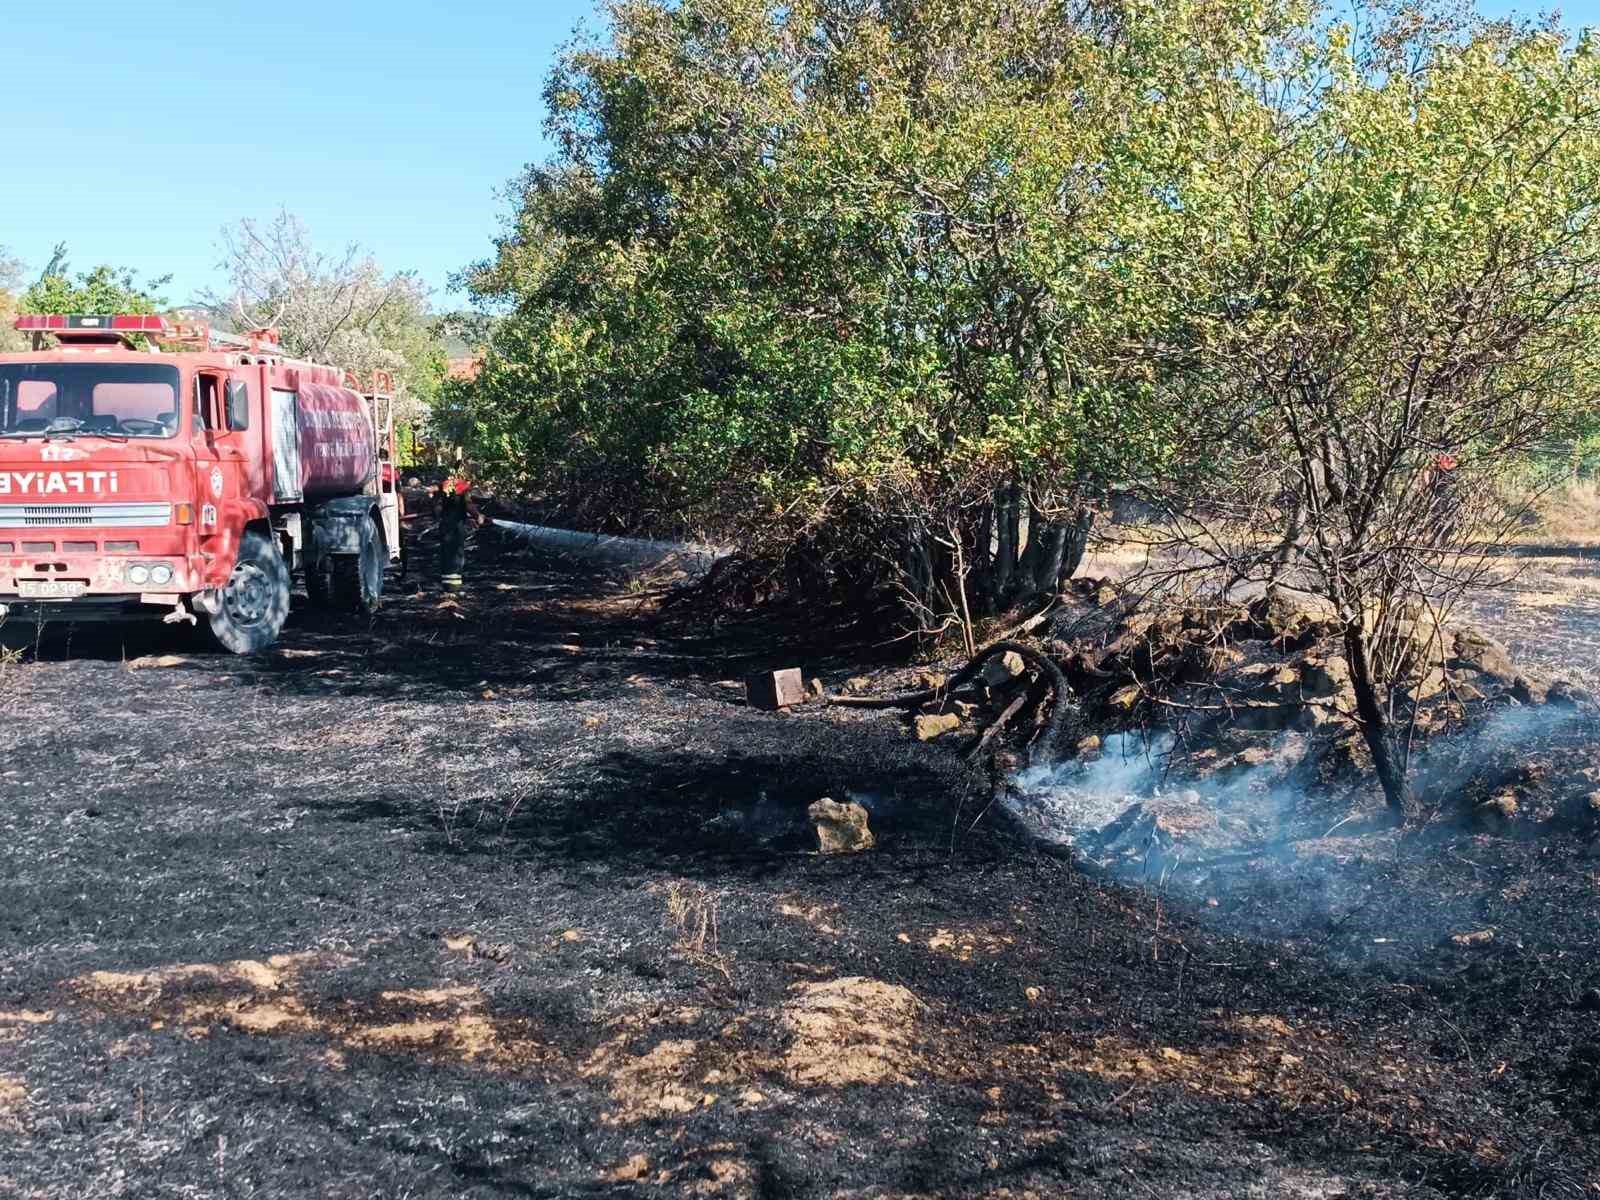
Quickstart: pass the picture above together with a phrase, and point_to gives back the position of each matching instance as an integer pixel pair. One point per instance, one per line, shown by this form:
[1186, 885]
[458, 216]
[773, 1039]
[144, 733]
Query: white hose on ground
[633, 552]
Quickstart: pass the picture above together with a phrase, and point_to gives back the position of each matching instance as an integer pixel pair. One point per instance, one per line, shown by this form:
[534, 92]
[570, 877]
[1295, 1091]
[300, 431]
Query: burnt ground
[514, 897]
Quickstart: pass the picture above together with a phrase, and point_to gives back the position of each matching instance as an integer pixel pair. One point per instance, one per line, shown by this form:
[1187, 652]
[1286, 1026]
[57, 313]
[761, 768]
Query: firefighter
[455, 506]
[1440, 485]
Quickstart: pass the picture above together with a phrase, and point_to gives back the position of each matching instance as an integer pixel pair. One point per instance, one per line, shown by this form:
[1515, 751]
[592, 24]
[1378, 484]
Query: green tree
[10, 284]
[864, 283]
[1392, 301]
[105, 289]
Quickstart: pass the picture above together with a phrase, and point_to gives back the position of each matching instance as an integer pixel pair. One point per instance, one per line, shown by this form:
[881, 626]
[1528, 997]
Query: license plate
[50, 589]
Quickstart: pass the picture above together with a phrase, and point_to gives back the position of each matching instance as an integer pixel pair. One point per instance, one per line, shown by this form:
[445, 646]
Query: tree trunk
[980, 563]
[1375, 726]
[1028, 561]
[1060, 549]
[1289, 549]
[919, 569]
[1052, 553]
[1077, 545]
[1007, 519]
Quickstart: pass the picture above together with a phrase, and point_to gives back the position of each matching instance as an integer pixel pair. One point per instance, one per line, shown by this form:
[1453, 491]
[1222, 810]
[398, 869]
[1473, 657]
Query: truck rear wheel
[319, 581]
[358, 578]
[255, 603]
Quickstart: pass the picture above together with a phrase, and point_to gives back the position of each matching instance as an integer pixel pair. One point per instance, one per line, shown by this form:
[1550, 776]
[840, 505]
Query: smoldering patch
[1146, 808]
[1130, 811]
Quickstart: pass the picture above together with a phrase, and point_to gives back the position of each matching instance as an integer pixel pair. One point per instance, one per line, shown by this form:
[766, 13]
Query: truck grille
[122, 516]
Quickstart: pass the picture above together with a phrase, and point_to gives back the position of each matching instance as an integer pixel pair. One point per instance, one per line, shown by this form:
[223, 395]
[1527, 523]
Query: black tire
[358, 578]
[255, 604]
[319, 581]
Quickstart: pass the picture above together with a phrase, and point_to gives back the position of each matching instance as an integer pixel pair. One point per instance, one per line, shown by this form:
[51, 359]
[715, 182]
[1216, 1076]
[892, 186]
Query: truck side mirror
[238, 406]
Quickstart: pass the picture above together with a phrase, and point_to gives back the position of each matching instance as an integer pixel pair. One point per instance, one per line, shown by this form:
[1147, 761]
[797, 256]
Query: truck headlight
[139, 574]
[161, 573]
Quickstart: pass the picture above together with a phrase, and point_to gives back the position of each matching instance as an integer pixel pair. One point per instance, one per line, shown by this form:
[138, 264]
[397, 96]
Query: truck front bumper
[49, 576]
[54, 587]
[92, 609]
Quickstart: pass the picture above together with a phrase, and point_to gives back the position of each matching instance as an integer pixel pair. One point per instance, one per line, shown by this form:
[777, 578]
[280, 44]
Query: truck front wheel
[255, 603]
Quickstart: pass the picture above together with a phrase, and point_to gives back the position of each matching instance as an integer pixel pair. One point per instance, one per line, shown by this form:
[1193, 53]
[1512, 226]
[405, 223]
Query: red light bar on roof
[112, 323]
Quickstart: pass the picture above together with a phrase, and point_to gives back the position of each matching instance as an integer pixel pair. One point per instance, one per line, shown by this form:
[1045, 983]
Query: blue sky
[135, 136]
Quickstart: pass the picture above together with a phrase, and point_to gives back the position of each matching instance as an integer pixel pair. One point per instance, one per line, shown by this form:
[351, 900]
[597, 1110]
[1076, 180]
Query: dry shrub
[692, 912]
[10, 658]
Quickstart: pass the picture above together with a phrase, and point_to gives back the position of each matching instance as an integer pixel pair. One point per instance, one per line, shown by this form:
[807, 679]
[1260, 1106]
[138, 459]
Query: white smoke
[1065, 801]
[1079, 802]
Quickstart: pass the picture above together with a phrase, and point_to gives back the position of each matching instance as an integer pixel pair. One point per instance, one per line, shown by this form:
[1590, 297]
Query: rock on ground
[841, 828]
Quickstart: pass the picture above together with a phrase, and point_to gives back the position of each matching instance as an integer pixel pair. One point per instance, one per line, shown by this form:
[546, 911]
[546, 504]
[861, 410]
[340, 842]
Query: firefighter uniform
[456, 508]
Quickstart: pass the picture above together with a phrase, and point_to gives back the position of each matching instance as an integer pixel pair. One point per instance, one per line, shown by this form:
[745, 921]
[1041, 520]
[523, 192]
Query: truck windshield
[109, 399]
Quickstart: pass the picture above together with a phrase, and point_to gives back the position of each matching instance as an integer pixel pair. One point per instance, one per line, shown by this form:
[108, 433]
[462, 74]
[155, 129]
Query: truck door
[241, 417]
[220, 422]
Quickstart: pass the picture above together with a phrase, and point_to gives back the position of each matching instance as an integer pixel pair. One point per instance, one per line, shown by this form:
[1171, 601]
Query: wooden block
[773, 690]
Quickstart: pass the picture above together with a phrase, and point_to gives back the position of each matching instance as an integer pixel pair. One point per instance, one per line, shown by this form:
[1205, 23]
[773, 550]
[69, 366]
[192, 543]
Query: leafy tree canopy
[794, 262]
[105, 289]
[887, 277]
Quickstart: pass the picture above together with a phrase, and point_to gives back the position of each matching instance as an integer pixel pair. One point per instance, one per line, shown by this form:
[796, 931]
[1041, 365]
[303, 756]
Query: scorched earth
[514, 897]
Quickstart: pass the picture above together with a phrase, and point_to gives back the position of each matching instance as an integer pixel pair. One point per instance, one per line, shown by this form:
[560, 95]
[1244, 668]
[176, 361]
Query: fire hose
[638, 552]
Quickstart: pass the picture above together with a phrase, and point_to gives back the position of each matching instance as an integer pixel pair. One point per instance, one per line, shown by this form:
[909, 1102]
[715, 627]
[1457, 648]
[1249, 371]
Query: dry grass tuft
[692, 909]
[692, 912]
[10, 657]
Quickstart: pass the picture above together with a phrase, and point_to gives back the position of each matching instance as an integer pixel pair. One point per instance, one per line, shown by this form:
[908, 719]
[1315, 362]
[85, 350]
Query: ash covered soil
[514, 897]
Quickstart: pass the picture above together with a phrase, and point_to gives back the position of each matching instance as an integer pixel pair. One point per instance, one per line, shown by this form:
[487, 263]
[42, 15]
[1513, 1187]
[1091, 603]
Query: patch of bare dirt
[651, 1069]
[652, 1083]
[269, 976]
[13, 1102]
[852, 1030]
[966, 943]
[824, 918]
[15, 1025]
[262, 998]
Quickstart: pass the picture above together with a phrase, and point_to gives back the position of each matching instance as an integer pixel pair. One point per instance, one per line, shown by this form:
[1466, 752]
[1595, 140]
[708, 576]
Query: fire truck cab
[151, 470]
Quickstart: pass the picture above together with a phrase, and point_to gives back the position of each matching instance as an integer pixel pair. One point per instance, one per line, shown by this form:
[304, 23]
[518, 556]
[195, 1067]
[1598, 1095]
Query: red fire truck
[159, 470]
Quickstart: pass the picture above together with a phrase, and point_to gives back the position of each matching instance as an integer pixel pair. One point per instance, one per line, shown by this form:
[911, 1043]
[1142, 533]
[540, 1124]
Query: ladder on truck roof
[201, 336]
